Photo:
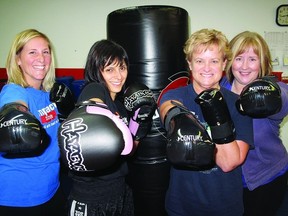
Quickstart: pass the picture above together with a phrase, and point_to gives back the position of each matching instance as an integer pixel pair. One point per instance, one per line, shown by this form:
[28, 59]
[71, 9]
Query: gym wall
[73, 26]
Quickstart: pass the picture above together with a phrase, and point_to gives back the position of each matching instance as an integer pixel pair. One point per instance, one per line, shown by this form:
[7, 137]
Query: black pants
[266, 199]
[149, 183]
[55, 206]
[120, 204]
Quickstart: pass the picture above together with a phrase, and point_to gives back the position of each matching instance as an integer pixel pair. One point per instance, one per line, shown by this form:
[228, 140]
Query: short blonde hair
[203, 39]
[14, 72]
[241, 43]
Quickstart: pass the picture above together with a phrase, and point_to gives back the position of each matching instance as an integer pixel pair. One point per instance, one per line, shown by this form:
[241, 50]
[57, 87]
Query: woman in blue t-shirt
[214, 189]
[30, 183]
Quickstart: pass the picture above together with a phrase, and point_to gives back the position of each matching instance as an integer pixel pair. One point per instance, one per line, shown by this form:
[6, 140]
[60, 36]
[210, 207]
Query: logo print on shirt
[48, 113]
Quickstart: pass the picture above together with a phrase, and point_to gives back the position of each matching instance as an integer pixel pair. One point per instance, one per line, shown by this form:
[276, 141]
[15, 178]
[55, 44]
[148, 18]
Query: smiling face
[246, 67]
[207, 67]
[34, 61]
[115, 76]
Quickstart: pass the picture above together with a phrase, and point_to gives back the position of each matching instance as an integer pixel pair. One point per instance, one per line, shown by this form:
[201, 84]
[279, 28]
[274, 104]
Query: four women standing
[31, 74]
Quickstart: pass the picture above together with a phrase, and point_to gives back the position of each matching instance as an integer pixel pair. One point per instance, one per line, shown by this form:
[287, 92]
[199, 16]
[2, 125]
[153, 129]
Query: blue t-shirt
[34, 180]
[210, 192]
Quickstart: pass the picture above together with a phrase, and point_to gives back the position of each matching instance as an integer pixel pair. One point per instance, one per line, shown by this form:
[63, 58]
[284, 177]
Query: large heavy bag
[153, 37]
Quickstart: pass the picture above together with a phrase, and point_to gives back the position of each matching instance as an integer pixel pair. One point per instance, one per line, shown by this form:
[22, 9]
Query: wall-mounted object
[282, 15]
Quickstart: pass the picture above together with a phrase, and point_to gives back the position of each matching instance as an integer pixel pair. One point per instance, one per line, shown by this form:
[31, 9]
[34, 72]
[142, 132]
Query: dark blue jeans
[266, 199]
[55, 206]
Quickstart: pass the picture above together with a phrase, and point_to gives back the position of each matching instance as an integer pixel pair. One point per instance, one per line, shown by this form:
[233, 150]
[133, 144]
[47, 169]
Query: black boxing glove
[189, 144]
[21, 133]
[92, 138]
[217, 115]
[260, 99]
[141, 106]
[62, 96]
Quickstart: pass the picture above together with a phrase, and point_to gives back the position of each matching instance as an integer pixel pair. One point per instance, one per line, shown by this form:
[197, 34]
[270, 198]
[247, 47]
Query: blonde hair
[201, 40]
[14, 72]
[241, 43]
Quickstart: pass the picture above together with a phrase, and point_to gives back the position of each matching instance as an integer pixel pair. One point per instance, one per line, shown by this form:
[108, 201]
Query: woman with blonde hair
[29, 157]
[265, 169]
[198, 188]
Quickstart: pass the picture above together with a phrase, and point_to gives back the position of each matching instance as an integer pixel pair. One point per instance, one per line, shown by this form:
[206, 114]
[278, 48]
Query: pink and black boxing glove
[141, 106]
[92, 138]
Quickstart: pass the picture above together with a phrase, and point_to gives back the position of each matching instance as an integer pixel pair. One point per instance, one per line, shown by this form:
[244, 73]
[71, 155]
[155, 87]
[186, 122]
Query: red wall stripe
[3, 75]
[77, 73]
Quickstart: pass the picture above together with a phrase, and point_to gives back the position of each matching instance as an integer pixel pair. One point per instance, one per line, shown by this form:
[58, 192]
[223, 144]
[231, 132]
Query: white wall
[284, 132]
[74, 25]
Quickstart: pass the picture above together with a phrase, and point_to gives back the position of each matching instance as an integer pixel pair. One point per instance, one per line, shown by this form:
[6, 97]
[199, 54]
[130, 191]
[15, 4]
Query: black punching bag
[154, 37]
